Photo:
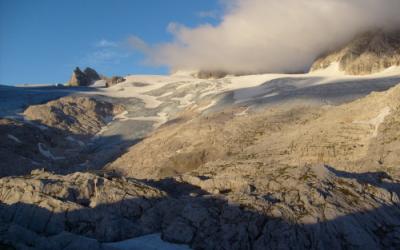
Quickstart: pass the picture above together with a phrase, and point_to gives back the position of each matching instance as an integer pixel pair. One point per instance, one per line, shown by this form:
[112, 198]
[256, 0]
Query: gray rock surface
[283, 207]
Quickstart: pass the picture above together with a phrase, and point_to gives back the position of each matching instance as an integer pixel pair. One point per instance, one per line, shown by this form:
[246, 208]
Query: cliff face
[367, 53]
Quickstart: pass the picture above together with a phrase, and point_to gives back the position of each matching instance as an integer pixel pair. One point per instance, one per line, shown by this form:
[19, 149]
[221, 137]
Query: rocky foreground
[281, 207]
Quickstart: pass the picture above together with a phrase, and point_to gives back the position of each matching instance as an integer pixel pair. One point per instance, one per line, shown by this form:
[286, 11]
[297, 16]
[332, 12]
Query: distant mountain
[367, 53]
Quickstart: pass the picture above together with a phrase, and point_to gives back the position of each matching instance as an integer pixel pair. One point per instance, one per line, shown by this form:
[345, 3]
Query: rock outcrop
[113, 80]
[203, 74]
[85, 78]
[368, 53]
[76, 114]
[25, 147]
[54, 136]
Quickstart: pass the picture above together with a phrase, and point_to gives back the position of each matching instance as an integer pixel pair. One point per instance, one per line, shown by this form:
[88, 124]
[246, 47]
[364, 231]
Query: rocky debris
[85, 78]
[113, 80]
[76, 114]
[343, 136]
[368, 53]
[239, 206]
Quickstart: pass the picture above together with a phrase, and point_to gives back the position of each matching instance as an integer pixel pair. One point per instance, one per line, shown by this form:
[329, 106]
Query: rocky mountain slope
[358, 136]
[368, 53]
[55, 136]
[76, 114]
[306, 161]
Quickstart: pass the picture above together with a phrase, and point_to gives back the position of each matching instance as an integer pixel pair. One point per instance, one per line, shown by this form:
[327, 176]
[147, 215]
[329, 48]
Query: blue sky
[41, 41]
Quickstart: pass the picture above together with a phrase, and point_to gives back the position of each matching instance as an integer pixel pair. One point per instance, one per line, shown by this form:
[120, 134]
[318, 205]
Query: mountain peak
[367, 53]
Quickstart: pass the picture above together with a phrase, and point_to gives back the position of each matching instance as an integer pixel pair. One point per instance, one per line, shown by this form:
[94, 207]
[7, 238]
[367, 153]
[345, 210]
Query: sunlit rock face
[368, 53]
[85, 78]
[76, 114]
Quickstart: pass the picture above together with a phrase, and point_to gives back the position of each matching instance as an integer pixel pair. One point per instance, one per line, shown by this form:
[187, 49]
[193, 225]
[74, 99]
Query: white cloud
[139, 44]
[103, 43]
[270, 35]
[106, 52]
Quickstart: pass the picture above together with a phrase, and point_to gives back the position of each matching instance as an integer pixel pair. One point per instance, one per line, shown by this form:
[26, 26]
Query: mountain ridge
[367, 53]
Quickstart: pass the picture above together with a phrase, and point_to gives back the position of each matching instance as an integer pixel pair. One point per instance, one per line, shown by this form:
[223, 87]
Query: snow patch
[147, 242]
[212, 103]
[46, 153]
[13, 138]
[184, 101]
[376, 121]
[161, 118]
[72, 139]
[243, 113]
[332, 70]
[99, 84]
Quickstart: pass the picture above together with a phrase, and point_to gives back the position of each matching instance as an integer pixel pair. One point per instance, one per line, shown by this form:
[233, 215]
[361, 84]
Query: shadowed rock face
[91, 74]
[368, 53]
[55, 136]
[21, 145]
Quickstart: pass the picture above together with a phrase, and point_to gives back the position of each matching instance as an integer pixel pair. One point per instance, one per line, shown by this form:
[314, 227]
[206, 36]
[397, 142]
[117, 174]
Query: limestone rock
[85, 205]
[114, 80]
[204, 74]
[368, 53]
[77, 114]
[85, 78]
[356, 136]
[307, 207]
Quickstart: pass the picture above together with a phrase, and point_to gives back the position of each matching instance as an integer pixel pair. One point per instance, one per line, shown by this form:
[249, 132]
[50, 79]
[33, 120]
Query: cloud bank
[270, 35]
